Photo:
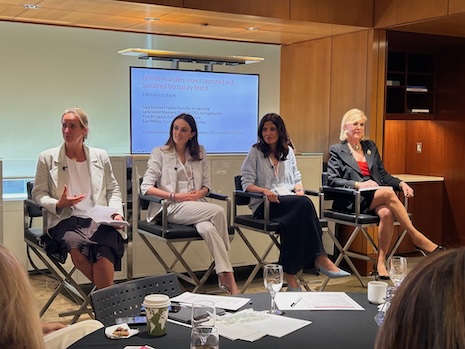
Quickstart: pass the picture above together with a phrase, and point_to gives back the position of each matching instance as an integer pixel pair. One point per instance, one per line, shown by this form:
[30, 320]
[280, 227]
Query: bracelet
[171, 196]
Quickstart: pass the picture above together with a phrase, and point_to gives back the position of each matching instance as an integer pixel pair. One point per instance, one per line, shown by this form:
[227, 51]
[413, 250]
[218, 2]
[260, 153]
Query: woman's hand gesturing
[69, 201]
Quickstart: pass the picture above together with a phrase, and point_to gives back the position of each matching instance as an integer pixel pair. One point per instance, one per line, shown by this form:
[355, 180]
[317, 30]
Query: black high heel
[376, 274]
[425, 253]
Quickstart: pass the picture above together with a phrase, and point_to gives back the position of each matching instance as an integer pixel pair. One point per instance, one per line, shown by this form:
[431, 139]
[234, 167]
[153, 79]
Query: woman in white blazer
[178, 171]
[70, 180]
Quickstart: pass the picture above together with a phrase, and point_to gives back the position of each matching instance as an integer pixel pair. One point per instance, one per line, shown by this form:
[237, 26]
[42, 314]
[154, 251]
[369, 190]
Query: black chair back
[126, 298]
[143, 204]
[240, 200]
[33, 211]
[324, 178]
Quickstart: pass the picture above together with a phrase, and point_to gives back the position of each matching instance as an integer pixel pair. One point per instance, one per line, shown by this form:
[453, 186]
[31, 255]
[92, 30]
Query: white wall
[46, 69]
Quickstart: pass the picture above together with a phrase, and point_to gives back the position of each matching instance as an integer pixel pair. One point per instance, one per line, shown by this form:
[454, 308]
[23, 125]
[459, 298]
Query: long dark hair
[193, 143]
[282, 147]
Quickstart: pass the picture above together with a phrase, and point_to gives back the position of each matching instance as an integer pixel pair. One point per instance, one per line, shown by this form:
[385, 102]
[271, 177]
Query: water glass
[273, 281]
[205, 337]
[203, 314]
[397, 269]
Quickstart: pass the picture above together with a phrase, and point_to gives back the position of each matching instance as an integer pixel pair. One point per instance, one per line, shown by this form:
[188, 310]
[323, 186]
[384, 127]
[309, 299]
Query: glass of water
[203, 314]
[205, 337]
[397, 269]
[273, 281]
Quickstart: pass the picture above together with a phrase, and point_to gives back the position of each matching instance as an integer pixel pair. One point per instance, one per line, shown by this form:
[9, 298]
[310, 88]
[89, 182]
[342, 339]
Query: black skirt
[299, 229]
[105, 242]
[348, 205]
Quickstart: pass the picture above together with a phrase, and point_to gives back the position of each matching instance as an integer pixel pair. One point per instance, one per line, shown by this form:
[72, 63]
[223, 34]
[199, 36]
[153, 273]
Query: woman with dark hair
[428, 309]
[270, 168]
[178, 172]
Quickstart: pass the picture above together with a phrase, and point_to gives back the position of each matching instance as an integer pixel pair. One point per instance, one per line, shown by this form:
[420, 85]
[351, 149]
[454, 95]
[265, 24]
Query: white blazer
[162, 173]
[51, 177]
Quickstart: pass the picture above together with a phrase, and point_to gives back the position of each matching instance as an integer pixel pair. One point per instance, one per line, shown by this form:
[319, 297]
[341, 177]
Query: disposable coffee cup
[156, 311]
[377, 292]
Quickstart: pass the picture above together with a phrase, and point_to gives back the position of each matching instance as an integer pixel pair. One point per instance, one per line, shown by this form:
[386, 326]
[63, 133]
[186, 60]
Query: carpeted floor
[44, 287]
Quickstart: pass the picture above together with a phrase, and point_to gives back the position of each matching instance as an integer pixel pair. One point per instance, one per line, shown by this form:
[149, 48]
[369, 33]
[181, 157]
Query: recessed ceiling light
[151, 19]
[252, 28]
[31, 6]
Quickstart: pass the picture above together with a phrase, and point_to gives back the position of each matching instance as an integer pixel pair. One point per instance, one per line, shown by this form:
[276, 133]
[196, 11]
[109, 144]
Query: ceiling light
[151, 19]
[252, 28]
[188, 57]
[31, 7]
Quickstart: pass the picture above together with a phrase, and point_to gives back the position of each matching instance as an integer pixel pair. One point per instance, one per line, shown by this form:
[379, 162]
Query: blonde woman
[356, 163]
[19, 323]
[70, 180]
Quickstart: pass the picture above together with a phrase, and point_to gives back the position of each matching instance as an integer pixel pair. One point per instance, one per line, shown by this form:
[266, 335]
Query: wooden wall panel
[393, 12]
[177, 3]
[354, 12]
[456, 6]
[450, 120]
[320, 81]
[265, 8]
[305, 92]
[378, 86]
[349, 78]
[395, 133]
[430, 160]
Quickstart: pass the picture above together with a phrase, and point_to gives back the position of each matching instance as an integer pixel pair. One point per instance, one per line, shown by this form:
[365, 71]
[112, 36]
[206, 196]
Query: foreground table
[329, 329]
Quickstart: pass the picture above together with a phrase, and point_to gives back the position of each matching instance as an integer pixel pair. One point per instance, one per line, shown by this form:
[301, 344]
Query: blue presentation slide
[224, 105]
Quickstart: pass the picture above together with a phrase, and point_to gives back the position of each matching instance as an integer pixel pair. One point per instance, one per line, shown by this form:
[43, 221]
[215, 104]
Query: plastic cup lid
[156, 301]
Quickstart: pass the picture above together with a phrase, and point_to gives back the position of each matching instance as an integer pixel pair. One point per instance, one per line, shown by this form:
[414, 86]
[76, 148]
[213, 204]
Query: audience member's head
[428, 309]
[352, 116]
[19, 321]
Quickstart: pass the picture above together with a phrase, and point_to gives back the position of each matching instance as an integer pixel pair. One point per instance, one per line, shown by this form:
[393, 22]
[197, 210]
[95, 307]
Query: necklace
[356, 146]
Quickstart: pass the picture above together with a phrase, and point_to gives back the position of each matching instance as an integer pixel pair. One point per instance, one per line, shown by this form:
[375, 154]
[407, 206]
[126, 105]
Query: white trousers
[210, 221]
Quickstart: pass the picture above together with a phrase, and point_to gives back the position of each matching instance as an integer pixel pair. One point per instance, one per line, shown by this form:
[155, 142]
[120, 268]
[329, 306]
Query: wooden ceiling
[453, 25]
[130, 17]
[177, 21]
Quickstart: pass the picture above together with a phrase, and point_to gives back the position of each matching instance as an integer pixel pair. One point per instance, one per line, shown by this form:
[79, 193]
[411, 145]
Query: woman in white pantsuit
[178, 171]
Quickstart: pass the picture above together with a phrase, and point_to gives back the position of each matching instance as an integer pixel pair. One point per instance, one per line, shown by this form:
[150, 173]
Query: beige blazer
[162, 173]
[51, 177]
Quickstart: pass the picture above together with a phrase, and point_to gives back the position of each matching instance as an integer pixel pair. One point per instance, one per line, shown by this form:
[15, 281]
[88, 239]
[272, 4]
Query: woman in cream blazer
[70, 180]
[178, 172]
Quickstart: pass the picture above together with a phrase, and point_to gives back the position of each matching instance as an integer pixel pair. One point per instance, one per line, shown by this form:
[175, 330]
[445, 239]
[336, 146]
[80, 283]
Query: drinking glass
[273, 281]
[205, 337]
[203, 314]
[397, 269]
